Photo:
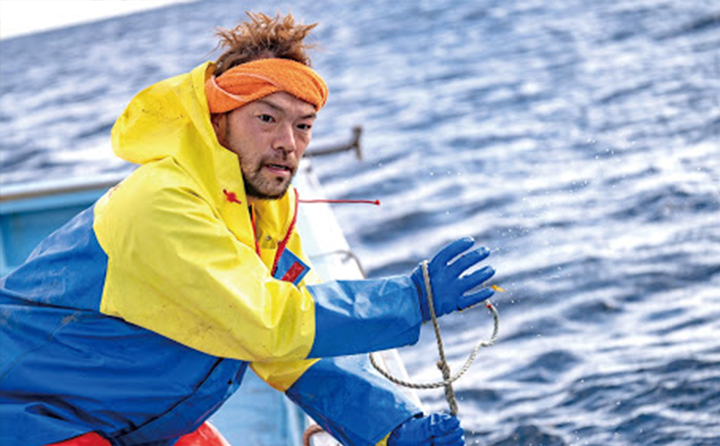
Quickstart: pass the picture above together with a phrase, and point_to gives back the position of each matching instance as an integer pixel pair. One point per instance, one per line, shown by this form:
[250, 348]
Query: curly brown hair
[263, 37]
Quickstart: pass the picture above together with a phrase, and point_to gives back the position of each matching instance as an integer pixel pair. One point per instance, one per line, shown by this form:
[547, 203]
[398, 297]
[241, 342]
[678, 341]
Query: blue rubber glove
[436, 429]
[449, 285]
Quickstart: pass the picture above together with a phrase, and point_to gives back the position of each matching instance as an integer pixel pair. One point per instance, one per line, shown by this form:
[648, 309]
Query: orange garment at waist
[205, 435]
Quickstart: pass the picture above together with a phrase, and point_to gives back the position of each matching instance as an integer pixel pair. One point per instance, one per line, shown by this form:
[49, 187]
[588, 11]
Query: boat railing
[354, 144]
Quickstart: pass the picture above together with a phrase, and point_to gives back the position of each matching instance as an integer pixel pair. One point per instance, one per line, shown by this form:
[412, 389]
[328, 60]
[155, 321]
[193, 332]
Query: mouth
[279, 169]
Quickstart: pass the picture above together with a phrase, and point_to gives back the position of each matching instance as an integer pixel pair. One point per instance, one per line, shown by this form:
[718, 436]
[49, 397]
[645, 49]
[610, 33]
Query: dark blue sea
[578, 139]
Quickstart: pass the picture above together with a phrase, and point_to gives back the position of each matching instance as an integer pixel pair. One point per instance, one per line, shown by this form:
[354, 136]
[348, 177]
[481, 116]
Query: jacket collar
[172, 119]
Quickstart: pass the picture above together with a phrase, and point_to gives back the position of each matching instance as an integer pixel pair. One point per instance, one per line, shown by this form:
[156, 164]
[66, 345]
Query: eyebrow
[274, 106]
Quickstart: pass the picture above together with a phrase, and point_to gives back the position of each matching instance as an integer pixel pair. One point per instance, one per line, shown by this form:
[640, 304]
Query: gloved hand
[436, 429]
[448, 286]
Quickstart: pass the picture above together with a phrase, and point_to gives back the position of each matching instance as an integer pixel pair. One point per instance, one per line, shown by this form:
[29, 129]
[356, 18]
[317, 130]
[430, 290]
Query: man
[134, 322]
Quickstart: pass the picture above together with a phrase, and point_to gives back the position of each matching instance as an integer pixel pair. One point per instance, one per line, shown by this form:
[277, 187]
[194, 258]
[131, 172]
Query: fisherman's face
[269, 136]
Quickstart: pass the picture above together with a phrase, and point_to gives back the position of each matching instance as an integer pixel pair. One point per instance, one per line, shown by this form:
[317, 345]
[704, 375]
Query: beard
[259, 186]
[258, 190]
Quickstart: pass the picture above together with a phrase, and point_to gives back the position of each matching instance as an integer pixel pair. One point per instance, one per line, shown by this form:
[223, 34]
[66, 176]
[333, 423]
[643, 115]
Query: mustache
[282, 160]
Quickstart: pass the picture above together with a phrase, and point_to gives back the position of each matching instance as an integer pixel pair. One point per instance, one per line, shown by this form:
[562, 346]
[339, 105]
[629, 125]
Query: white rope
[442, 364]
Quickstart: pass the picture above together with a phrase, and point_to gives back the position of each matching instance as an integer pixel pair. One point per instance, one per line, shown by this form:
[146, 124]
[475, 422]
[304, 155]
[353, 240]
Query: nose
[285, 139]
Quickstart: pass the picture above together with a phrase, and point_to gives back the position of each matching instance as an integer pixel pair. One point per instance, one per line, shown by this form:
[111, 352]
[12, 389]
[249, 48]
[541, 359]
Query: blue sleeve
[352, 402]
[361, 316]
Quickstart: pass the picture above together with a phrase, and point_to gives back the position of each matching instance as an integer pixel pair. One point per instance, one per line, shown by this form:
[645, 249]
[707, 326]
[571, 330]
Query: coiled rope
[442, 363]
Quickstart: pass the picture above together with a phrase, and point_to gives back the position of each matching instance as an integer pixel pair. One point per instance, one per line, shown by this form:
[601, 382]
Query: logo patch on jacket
[290, 268]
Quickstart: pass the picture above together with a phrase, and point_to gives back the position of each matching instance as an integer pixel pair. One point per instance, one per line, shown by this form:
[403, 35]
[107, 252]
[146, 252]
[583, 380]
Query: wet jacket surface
[138, 318]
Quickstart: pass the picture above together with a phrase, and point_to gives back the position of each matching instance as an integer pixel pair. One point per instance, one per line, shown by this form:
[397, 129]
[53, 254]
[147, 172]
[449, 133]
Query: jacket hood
[171, 119]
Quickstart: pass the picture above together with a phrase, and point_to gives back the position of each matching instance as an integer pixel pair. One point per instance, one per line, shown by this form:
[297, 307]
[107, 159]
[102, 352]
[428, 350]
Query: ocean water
[578, 139]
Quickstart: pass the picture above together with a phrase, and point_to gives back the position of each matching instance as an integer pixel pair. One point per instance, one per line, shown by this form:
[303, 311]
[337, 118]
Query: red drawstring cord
[232, 197]
[375, 202]
[252, 221]
[286, 239]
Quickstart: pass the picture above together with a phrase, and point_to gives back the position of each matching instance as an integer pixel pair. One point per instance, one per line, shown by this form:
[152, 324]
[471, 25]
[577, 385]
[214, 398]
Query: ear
[219, 123]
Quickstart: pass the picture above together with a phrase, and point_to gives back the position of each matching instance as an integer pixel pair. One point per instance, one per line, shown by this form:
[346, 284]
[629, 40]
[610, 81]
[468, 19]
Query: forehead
[286, 103]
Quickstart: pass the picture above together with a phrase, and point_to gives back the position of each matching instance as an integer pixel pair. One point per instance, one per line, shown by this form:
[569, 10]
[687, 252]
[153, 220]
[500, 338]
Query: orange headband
[253, 80]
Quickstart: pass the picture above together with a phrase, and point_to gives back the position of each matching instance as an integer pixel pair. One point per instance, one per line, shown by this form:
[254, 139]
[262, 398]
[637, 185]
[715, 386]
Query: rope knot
[231, 196]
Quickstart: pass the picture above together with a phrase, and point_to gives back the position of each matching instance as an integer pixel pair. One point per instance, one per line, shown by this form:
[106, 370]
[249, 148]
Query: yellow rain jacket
[145, 310]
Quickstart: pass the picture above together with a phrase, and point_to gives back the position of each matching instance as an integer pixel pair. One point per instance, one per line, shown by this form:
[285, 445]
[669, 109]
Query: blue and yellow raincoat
[139, 317]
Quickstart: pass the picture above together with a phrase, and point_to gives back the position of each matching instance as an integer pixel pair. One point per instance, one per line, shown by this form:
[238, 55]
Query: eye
[266, 118]
[304, 127]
